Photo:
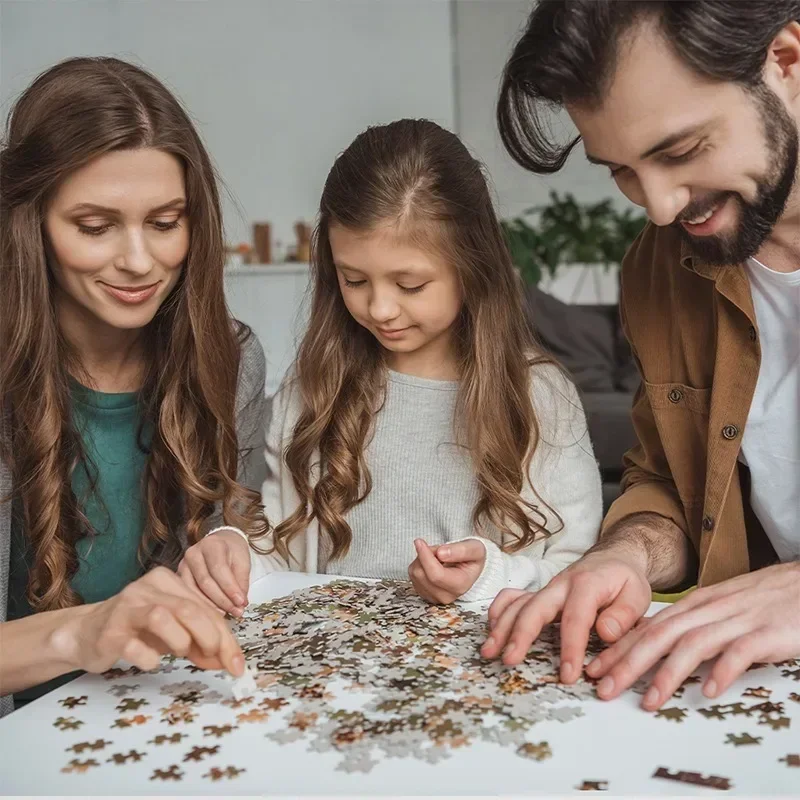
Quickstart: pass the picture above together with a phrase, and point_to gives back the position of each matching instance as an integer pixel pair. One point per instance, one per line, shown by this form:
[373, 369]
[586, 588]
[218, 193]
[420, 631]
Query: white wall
[485, 32]
[277, 87]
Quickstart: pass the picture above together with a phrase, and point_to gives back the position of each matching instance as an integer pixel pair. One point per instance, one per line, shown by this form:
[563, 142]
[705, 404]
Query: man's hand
[442, 574]
[608, 587]
[754, 617]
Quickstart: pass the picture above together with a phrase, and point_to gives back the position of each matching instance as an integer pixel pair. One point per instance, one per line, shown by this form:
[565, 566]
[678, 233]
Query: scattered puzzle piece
[537, 752]
[98, 744]
[759, 691]
[791, 760]
[795, 696]
[742, 739]
[217, 774]
[172, 774]
[199, 753]
[593, 786]
[173, 738]
[253, 715]
[129, 704]
[67, 723]
[794, 674]
[80, 766]
[71, 702]
[673, 713]
[218, 730]
[122, 758]
[694, 778]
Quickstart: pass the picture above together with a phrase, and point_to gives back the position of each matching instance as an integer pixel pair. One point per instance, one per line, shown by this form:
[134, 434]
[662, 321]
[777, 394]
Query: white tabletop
[615, 742]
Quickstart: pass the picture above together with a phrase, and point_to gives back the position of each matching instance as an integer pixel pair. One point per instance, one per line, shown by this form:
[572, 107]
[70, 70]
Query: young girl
[418, 433]
[131, 405]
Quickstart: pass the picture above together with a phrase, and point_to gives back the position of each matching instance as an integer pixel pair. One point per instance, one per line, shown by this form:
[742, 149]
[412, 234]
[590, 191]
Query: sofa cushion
[582, 338]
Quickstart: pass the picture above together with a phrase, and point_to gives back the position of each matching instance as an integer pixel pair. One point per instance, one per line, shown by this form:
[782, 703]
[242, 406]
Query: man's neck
[781, 251]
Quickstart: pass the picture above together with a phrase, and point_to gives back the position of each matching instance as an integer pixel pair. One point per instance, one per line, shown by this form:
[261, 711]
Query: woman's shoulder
[252, 362]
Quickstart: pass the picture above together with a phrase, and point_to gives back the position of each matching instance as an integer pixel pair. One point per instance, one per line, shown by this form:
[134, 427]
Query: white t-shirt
[771, 440]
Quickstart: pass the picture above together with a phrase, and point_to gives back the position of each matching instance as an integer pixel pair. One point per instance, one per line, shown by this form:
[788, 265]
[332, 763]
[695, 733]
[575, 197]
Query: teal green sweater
[108, 487]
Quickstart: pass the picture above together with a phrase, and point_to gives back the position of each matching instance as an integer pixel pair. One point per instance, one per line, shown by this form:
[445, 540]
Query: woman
[132, 405]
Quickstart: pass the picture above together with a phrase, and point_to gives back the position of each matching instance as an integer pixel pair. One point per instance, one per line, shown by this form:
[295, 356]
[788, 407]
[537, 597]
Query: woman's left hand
[442, 574]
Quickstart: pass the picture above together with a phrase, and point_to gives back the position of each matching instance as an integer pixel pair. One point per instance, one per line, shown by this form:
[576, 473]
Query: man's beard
[757, 218]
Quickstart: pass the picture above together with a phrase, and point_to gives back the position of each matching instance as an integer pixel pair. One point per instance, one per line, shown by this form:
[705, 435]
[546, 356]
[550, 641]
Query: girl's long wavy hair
[75, 112]
[420, 179]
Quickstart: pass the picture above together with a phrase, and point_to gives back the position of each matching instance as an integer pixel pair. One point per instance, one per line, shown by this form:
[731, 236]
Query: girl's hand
[153, 616]
[442, 574]
[218, 566]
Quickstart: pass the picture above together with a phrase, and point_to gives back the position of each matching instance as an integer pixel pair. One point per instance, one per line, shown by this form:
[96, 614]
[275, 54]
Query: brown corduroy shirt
[693, 332]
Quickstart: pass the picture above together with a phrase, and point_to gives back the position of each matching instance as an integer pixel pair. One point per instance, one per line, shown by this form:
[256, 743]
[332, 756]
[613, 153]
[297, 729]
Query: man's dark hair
[569, 51]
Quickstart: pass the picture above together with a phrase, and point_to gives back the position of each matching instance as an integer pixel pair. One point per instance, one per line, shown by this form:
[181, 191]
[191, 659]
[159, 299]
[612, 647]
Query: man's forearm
[659, 544]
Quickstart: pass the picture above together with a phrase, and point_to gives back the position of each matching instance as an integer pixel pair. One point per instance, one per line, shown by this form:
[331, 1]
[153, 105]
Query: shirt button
[675, 396]
[752, 333]
[730, 432]
[708, 523]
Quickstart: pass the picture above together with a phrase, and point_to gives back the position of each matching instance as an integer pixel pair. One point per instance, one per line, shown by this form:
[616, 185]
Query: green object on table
[671, 598]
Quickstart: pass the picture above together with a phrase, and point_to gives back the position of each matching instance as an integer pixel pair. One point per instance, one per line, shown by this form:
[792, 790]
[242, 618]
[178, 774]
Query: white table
[616, 742]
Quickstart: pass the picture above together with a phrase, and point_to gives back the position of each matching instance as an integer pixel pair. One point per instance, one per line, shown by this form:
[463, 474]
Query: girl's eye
[413, 289]
[353, 284]
[161, 225]
[94, 230]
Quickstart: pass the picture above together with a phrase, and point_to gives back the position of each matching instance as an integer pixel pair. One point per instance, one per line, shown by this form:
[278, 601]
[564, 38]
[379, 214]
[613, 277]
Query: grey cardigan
[251, 411]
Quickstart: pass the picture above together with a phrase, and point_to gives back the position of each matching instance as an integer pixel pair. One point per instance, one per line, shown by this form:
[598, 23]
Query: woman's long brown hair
[76, 111]
[420, 178]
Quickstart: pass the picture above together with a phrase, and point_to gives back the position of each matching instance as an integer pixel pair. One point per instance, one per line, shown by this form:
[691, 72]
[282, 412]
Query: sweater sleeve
[274, 492]
[564, 483]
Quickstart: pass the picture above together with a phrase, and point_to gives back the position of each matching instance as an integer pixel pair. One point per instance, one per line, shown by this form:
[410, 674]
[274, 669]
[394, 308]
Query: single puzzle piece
[167, 738]
[672, 713]
[791, 760]
[67, 723]
[122, 689]
[77, 765]
[98, 744]
[253, 715]
[776, 723]
[129, 704]
[123, 758]
[759, 691]
[218, 730]
[694, 778]
[593, 786]
[198, 753]
[118, 672]
[71, 702]
[794, 674]
[172, 773]
[742, 739]
[537, 752]
[217, 774]
[129, 722]
[794, 696]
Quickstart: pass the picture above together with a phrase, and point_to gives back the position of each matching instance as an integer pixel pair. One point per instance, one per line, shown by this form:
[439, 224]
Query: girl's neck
[111, 359]
[436, 361]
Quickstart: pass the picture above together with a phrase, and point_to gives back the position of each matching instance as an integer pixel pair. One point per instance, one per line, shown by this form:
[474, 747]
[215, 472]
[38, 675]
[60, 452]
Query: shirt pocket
[681, 415]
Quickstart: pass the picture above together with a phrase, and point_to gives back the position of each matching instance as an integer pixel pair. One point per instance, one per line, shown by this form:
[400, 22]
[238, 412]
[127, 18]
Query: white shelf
[289, 268]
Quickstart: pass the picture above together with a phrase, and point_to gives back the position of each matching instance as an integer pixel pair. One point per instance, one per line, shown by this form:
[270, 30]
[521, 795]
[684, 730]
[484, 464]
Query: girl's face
[118, 237]
[408, 299]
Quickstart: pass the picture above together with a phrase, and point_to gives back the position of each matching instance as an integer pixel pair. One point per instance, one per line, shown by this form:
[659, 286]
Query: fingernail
[417, 544]
[613, 627]
[710, 689]
[444, 552]
[592, 667]
[490, 641]
[606, 686]
[651, 698]
[240, 601]
[566, 671]
[238, 662]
